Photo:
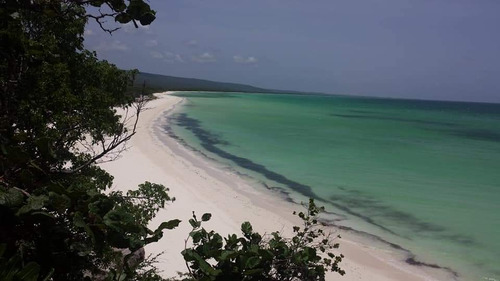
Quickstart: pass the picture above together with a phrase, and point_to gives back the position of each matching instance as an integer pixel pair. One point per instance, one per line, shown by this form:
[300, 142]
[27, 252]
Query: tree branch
[117, 140]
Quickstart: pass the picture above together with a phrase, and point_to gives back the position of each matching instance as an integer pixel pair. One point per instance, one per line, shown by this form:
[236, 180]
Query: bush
[308, 255]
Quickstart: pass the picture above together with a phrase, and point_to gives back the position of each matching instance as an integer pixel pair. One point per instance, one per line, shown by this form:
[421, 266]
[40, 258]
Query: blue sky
[425, 49]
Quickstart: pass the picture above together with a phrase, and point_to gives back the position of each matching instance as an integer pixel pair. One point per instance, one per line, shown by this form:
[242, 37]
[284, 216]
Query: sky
[423, 49]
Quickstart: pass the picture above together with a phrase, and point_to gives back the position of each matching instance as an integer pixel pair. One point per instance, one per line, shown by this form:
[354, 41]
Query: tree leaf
[60, 202]
[147, 18]
[11, 197]
[29, 272]
[246, 228]
[34, 203]
[206, 217]
[123, 18]
[118, 5]
[43, 213]
[252, 262]
[194, 224]
[137, 8]
[227, 255]
[171, 224]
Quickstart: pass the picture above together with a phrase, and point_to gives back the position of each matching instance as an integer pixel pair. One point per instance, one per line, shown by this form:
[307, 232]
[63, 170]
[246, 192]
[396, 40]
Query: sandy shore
[199, 185]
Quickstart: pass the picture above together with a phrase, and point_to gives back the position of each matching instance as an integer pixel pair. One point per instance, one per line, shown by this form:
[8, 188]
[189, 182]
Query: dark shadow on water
[410, 259]
[362, 203]
[354, 199]
[390, 118]
[451, 128]
[363, 111]
[477, 134]
[206, 95]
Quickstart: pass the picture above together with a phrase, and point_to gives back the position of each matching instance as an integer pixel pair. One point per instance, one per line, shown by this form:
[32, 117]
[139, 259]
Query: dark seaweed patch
[205, 136]
[398, 119]
[474, 134]
[478, 134]
[411, 259]
[362, 111]
[209, 142]
[356, 200]
[206, 95]
[377, 210]
[460, 239]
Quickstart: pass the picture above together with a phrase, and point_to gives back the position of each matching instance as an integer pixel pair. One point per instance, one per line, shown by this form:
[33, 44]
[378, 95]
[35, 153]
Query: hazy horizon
[445, 50]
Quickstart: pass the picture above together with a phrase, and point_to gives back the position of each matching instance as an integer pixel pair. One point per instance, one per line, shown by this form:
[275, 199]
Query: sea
[422, 177]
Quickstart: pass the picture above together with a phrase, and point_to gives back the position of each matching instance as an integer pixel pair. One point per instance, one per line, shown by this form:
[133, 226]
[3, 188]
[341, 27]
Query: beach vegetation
[58, 218]
[308, 255]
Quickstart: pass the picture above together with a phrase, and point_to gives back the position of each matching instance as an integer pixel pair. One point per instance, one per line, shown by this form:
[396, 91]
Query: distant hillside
[157, 83]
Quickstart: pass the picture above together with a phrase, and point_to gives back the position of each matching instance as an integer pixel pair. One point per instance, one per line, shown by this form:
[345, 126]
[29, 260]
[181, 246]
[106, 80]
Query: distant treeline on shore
[149, 83]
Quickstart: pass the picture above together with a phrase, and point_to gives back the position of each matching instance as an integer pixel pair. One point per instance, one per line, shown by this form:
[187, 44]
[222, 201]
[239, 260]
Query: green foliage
[12, 269]
[306, 256]
[57, 122]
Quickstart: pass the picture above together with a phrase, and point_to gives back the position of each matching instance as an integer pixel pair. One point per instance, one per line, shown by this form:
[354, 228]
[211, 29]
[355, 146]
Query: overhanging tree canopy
[57, 121]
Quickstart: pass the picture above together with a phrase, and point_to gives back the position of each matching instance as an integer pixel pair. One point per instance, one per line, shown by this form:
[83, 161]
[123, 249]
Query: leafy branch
[306, 256]
[107, 146]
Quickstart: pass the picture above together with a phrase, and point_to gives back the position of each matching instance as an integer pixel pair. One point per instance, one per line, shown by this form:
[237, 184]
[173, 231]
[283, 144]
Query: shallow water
[421, 174]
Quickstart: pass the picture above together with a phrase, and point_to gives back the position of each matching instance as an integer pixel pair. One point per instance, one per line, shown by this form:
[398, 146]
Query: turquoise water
[424, 175]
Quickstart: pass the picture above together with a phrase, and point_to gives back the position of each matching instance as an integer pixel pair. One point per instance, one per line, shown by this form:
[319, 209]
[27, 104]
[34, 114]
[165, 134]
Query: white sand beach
[200, 185]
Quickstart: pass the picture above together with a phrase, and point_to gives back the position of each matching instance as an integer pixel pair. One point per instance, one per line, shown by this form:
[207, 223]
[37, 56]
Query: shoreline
[203, 186]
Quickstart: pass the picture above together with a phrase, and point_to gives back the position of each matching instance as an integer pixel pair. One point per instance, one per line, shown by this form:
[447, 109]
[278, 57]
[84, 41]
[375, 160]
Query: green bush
[308, 255]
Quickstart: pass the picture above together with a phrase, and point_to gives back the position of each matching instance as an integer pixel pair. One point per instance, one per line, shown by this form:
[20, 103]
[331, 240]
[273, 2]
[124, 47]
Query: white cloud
[115, 45]
[166, 56]
[171, 57]
[192, 43]
[204, 58]
[151, 43]
[88, 32]
[156, 55]
[245, 60]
